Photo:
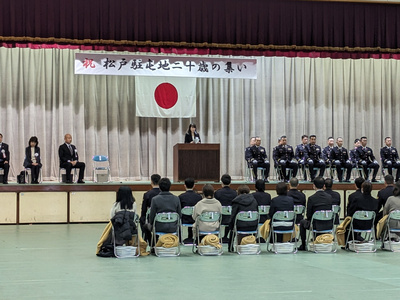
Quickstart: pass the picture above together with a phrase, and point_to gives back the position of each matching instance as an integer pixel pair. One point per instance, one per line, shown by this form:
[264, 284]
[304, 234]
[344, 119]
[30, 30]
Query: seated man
[390, 158]
[383, 195]
[225, 196]
[366, 159]
[189, 198]
[4, 159]
[282, 202]
[284, 158]
[69, 159]
[335, 195]
[300, 154]
[314, 158]
[262, 198]
[326, 152]
[146, 204]
[165, 202]
[248, 154]
[341, 160]
[208, 204]
[259, 159]
[319, 201]
[298, 196]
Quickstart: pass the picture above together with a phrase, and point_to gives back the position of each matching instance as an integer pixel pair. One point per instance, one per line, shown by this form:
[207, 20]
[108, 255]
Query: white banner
[165, 65]
[165, 97]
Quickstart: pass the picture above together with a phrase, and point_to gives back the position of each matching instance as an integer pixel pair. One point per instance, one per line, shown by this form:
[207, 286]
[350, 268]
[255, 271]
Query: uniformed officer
[300, 154]
[353, 153]
[327, 151]
[340, 159]
[248, 153]
[390, 157]
[314, 157]
[366, 159]
[259, 158]
[283, 155]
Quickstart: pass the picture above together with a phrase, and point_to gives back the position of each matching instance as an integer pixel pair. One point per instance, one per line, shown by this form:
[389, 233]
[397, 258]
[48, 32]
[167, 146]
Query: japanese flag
[165, 97]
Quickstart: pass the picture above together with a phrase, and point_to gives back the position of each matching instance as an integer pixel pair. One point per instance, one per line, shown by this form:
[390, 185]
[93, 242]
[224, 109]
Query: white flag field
[165, 97]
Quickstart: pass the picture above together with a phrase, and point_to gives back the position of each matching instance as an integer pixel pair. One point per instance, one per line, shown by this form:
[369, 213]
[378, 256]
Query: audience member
[298, 196]
[125, 201]
[262, 198]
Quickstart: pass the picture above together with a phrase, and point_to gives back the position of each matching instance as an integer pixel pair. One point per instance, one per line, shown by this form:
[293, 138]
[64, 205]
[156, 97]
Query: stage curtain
[40, 95]
[265, 25]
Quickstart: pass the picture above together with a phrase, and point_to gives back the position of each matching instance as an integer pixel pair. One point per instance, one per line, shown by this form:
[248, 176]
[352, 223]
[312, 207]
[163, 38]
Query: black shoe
[188, 241]
[69, 181]
[225, 240]
[266, 181]
[81, 181]
[346, 180]
[302, 248]
[262, 240]
[374, 180]
[5, 182]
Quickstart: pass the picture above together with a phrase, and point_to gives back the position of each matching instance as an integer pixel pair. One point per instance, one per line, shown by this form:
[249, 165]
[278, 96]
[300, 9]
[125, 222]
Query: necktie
[70, 149]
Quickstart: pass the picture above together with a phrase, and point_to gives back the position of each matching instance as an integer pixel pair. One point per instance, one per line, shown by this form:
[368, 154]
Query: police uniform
[354, 157]
[390, 160]
[284, 158]
[340, 159]
[259, 159]
[314, 158]
[366, 160]
[326, 154]
[248, 156]
[300, 156]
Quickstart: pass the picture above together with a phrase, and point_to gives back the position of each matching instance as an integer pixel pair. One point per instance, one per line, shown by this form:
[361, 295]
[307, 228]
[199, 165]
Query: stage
[54, 202]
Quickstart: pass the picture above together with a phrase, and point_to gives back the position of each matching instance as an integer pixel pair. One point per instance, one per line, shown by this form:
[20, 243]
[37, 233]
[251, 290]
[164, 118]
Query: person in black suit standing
[4, 159]
[189, 198]
[319, 201]
[191, 135]
[32, 159]
[69, 159]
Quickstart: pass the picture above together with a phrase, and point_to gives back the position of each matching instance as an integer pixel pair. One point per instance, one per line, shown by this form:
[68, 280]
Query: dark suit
[5, 157]
[340, 159]
[165, 202]
[281, 203]
[28, 163]
[314, 158]
[66, 157]
[300, 156]
[383, 195]
[283, 156]
[189, 138]
[146, 204]
[262, 198]
[259, 158]
[225, 195]
[189, 198]
[319, 201]
[362, 202]
[299, 199]
[351, 198]
[336, 201]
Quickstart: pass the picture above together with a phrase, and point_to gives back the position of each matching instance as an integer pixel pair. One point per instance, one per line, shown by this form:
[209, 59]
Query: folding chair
[282, 222]
[263, 210]
[336, 212]
[246, 216]
[279, 173]
[387, 243]
[326, 217]
[101, 168]
[226, 214]
[214, 219]
[62, 175]
[167, 217]
[299, 212]
[369, 243]
[186, 211]
[126, 246]
[28, 175]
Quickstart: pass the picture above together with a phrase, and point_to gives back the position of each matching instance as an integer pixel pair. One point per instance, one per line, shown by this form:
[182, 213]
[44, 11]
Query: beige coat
[206, 205]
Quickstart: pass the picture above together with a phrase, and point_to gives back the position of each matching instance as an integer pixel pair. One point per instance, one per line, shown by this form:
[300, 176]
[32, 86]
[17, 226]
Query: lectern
[200, 161]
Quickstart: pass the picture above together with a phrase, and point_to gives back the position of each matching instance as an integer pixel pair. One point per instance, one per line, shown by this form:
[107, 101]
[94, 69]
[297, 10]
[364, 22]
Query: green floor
[58, 262]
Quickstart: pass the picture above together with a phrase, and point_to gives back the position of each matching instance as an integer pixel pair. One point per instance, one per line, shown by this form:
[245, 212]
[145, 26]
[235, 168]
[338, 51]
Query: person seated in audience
[298, 196]
[358, 183]
[262, 198]
[165, 202]
[32, 159]
[319, 201]
[335, 195]
[207, 204]
[125, 201]
[147, 197]
[282, 202]
[393, 203]
[243, 202]
[189, 198]
[225, 195]
[363, 201]
[383, 195]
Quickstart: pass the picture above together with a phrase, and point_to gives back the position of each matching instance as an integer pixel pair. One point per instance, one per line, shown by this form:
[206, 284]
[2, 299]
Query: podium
[200, 161]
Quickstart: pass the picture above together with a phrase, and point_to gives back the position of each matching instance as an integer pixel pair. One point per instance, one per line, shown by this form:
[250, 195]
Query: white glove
[364, 163]
[337, 162]
[375, 161]
[321, 161]
[282, 161]
[301, 161]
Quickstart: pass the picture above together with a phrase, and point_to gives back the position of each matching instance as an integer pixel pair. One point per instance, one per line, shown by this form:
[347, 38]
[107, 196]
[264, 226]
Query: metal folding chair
[246, 216]
[213, 218]
[387, 243]
[282, 222]
[326, 217]
[166, 217]
[369, 243]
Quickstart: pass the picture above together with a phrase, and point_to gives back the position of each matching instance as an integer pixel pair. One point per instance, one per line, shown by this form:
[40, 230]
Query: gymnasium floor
[58, 262]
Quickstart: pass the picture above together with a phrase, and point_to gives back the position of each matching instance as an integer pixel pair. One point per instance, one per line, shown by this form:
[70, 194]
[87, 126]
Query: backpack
[21, 177]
